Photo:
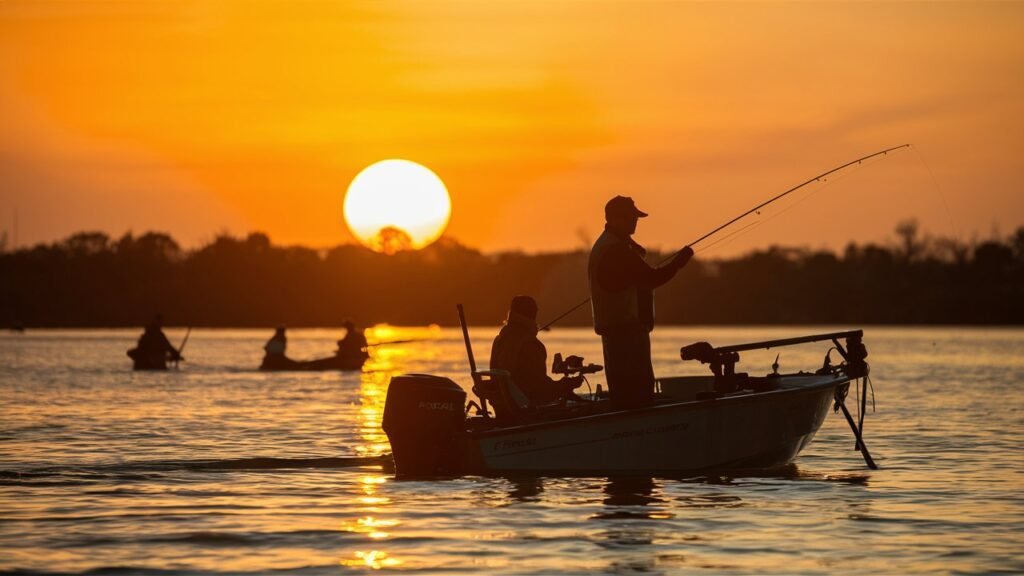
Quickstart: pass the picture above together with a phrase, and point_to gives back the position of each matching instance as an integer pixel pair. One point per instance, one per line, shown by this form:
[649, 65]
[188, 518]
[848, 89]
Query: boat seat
[509, 402]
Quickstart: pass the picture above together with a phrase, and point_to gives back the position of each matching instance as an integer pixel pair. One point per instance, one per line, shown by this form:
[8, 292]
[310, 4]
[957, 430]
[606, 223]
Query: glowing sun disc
[397, 205]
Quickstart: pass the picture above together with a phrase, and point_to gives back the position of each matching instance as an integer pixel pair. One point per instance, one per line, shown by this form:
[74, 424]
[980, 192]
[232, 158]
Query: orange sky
[199, 117]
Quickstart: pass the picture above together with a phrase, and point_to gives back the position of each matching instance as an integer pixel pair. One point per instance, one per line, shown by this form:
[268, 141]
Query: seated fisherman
[153, 346]
[517, 350]
[274, 349]
[277, 344]
[353, 345]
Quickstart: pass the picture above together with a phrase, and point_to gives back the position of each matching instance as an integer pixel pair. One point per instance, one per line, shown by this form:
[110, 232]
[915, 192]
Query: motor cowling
[425, 420]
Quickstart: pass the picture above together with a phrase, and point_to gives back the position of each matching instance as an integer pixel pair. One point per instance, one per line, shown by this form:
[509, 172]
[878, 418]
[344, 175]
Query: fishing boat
[155, 355]
[154, 361]
[345, 362]
[724, 421]
[727, 420]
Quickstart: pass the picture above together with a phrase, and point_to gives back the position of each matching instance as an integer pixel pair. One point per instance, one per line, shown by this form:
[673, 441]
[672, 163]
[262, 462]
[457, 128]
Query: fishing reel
[573, 366]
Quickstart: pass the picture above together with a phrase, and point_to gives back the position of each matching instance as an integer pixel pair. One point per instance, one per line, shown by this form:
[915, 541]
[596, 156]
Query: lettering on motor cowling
[447, 406]
[513, 444]
[649, 431]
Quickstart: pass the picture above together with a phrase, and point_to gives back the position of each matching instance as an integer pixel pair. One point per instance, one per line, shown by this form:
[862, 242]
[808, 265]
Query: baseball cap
[622, 206]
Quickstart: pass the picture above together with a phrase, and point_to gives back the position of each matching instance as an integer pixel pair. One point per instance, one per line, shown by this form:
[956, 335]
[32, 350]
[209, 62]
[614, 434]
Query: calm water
[218, 468]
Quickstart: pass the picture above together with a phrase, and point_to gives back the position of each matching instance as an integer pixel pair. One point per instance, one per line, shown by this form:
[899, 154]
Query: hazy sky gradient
[198, 117]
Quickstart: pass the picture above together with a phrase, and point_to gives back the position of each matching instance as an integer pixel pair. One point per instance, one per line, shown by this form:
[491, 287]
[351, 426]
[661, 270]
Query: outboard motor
[425, 420]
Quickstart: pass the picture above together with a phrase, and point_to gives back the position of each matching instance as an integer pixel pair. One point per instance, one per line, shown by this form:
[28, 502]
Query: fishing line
[738, 234]
[856, 399]
[728, 236]
[937, 188]
[819, 178]
[823, 178]
[872, 387]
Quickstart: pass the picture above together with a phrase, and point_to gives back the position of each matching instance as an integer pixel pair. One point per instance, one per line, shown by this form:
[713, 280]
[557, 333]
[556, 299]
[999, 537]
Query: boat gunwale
[838, 379]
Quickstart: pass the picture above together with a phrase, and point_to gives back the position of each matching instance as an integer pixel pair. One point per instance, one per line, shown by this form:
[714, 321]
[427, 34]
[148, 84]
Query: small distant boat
[142, 361]
[345, 363]
[158, 352]
[728, 420]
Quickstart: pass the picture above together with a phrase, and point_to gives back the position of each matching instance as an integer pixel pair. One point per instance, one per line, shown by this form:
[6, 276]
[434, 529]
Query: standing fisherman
[622, 297]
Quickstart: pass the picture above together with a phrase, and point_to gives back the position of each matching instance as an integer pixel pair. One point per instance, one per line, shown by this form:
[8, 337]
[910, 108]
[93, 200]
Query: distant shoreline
[92, 280]
[560, 328]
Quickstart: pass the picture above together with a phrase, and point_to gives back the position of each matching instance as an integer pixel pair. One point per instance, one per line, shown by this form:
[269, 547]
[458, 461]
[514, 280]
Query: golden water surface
[219, 468]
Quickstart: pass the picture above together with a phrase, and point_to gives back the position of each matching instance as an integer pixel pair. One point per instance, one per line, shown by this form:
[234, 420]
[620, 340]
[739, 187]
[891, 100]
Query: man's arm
[623, 267]
[169, 348]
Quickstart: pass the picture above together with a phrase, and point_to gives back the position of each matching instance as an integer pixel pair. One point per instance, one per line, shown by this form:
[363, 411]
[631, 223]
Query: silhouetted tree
[89, 279]
[390, 240]
[907, 232]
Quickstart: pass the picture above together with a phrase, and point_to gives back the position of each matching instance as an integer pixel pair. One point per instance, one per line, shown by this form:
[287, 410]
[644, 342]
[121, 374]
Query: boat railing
[723, 359]
[767, 344]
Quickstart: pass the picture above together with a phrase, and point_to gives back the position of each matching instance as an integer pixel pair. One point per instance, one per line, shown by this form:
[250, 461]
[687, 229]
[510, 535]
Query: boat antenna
[744, 215]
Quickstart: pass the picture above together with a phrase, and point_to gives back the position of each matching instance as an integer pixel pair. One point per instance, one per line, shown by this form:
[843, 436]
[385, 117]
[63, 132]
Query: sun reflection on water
[392, 347]
[372, 504]
[371, 397]
[373, 559]
[85, 439]
[372, 526]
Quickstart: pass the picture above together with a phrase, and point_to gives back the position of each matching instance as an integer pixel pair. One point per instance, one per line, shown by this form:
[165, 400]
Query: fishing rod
[748, 213]
[386, 342]
[794, 189]
[182, 346]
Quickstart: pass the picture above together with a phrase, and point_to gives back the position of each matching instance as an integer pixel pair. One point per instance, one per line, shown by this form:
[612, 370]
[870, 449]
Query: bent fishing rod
[748, 213]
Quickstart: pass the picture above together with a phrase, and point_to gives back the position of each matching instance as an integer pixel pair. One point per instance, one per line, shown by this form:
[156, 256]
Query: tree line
[92, 280]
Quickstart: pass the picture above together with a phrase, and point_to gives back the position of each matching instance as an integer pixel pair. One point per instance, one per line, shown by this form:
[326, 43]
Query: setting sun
[397, 205]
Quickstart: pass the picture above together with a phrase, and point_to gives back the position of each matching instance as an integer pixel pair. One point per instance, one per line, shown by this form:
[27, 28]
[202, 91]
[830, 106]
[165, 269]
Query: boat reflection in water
[526, 488]
[632, 508]
[631, 491]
